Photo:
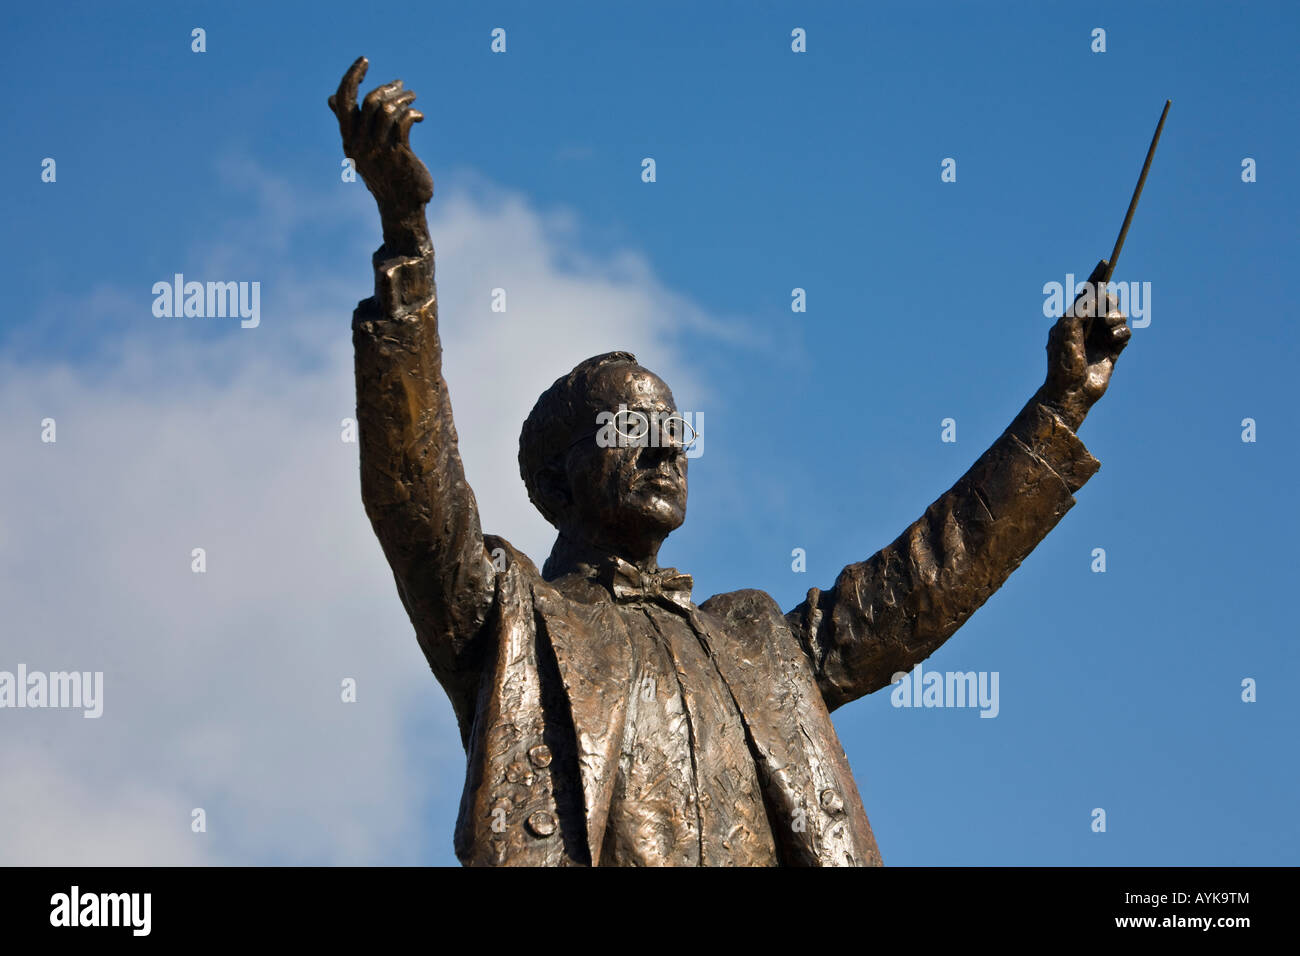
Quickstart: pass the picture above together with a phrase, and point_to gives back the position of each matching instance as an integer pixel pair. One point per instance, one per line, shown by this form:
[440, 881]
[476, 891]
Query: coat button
[540, 755]
[831, 801]
[520, 772]
[541, 823]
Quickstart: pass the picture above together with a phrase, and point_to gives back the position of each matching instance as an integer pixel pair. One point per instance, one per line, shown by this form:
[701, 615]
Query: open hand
[376, 139]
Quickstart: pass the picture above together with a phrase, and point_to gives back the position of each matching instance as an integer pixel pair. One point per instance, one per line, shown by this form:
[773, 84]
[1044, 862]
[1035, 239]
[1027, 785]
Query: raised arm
[412, 480]
[893, 610]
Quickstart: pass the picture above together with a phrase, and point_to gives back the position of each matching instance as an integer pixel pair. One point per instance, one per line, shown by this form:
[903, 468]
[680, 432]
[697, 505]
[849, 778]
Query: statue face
[629, 491]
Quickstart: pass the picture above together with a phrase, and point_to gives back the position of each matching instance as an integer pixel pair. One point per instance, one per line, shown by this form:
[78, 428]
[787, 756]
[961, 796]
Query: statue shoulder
[744, 607]
[505, 557]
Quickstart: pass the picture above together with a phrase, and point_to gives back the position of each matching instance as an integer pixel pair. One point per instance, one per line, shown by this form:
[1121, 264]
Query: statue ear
[552, 487]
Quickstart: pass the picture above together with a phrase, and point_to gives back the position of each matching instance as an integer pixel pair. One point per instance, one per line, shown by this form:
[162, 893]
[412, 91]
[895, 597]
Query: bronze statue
[608, 719]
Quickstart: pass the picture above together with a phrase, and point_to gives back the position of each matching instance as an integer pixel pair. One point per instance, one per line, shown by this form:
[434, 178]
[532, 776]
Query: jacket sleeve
[888, 613]
[412, 481]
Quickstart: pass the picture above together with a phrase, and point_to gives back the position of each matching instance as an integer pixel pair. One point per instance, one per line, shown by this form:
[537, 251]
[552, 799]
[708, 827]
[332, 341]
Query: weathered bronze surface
[607, 718]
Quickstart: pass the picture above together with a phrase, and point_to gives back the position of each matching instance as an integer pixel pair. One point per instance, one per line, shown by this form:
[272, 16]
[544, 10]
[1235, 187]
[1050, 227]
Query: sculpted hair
[555, 421]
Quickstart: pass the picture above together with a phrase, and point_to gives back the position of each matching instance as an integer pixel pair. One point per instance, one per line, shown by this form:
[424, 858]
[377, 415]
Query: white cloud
[222, 689]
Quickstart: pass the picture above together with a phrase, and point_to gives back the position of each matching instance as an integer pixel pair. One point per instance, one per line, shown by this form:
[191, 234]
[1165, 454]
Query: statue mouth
[659, 483]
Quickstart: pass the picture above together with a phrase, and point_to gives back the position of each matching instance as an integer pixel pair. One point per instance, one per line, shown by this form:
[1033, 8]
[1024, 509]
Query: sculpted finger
[393, 109]
[1083, 307]
[1119, 337]
[404, 125]
[1067, 357]
[380, 93]
[378, 111]
[390, 112]
[344, 101]
[1068, 332]
[1108, 332]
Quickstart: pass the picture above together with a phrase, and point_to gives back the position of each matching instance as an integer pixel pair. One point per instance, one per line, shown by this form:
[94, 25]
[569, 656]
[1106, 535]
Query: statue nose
[656, 457]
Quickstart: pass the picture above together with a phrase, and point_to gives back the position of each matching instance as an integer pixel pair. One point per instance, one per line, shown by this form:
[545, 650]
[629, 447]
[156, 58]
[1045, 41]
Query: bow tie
[630, 584]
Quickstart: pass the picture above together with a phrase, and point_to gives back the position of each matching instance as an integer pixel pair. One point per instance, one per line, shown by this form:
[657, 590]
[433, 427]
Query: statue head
[602, 457]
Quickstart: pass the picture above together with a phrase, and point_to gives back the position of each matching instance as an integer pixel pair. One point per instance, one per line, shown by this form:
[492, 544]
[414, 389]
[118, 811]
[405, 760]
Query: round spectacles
[637, 429]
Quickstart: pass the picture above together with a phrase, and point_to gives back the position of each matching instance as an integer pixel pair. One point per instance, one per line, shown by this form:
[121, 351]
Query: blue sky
[775, 170]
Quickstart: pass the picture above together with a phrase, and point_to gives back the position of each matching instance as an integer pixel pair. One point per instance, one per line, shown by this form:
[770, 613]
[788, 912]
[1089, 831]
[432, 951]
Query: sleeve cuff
[1055, 445]
[404, 284]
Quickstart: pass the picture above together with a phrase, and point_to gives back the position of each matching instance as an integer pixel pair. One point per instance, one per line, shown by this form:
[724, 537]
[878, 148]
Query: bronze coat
[539, 680]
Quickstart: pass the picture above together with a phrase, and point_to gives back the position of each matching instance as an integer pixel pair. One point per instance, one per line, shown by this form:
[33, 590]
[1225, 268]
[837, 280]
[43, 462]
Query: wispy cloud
[222, 689]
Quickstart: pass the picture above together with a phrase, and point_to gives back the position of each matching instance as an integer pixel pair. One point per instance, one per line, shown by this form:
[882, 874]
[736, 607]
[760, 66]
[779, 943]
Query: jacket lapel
[595, 662]
[819, 817]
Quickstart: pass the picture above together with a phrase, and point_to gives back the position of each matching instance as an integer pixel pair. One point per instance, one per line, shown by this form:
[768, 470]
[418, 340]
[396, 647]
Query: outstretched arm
[412, 480]
[893, 610]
